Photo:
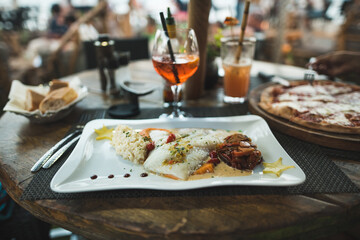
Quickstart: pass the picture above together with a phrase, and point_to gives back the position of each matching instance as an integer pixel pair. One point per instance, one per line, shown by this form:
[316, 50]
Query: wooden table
[208, 217]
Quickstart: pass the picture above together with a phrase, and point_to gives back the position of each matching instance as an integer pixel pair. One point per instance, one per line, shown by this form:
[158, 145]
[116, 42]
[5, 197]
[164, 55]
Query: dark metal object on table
[129, 109]
[132, 91]
[107, 63]
[109, 60]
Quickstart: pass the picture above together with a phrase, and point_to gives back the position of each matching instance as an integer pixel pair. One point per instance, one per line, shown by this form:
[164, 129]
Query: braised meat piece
[239, 152]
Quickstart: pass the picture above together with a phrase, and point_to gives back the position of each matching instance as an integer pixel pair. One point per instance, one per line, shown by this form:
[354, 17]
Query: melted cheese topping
[303, 90]
[335, 90]
[329, 102]
[350, 98]
[338, 119]
[300, 107]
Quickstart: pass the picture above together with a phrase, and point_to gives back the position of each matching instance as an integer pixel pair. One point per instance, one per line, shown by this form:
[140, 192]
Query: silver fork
[309, 74]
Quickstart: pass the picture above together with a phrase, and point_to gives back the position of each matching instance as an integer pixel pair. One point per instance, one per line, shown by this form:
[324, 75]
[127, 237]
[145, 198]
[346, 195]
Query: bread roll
[33, 100]
[58, 99]
[56, 84]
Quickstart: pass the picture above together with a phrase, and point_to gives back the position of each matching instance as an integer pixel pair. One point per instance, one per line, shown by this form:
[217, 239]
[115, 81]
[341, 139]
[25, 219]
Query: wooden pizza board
[327, 139]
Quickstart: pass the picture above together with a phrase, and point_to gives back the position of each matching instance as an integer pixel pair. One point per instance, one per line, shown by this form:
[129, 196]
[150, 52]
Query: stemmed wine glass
[175, 57]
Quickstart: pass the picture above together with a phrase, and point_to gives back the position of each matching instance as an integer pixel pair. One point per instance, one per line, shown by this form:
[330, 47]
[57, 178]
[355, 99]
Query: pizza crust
[326, 126]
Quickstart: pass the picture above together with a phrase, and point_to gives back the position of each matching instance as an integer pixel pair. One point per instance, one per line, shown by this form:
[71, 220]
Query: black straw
[163, 22]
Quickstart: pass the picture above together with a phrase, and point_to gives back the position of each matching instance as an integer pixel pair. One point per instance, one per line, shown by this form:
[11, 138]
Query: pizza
[324, 105]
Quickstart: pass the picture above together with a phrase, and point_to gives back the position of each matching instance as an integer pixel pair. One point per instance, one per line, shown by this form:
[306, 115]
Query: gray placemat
[338, 153]
[322, 175]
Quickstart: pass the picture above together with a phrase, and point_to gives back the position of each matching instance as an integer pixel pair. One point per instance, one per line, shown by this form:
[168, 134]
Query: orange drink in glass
[175, 58]
[236, 72]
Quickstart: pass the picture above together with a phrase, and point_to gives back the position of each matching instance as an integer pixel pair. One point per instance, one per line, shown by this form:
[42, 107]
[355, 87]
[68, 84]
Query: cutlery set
[55, 153]
[309, 75]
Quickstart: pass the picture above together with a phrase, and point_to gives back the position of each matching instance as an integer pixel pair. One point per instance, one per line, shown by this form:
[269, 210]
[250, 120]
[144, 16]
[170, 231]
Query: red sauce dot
[144, 175]
[111, 176]
[93, 177]
[127, 175]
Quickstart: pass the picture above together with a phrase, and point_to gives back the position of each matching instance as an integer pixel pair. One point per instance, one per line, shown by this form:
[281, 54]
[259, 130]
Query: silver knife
[281, 81]
[51, 151]
[60, 152]
[274, 78]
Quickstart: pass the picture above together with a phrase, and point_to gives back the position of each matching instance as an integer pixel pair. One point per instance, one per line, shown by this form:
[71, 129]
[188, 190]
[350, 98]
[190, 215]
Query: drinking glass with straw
[175, 58]
[237, 55]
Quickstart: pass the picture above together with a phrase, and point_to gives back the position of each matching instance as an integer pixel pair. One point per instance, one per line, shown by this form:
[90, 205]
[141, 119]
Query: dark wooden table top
[207, 217]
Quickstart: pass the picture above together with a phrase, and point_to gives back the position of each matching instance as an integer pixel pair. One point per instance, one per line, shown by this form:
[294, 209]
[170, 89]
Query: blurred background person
[57, 25]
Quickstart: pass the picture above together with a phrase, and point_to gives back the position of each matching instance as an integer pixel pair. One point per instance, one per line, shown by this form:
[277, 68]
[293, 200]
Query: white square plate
[91, 157]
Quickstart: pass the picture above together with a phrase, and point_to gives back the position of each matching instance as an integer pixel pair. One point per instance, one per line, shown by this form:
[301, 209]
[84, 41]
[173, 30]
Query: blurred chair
[138, 47]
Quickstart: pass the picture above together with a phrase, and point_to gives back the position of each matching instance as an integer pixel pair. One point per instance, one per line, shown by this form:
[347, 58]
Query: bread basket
[17, 101]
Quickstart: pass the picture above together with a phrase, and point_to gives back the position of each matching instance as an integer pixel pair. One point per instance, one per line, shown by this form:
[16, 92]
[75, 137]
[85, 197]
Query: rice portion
[129, 144]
